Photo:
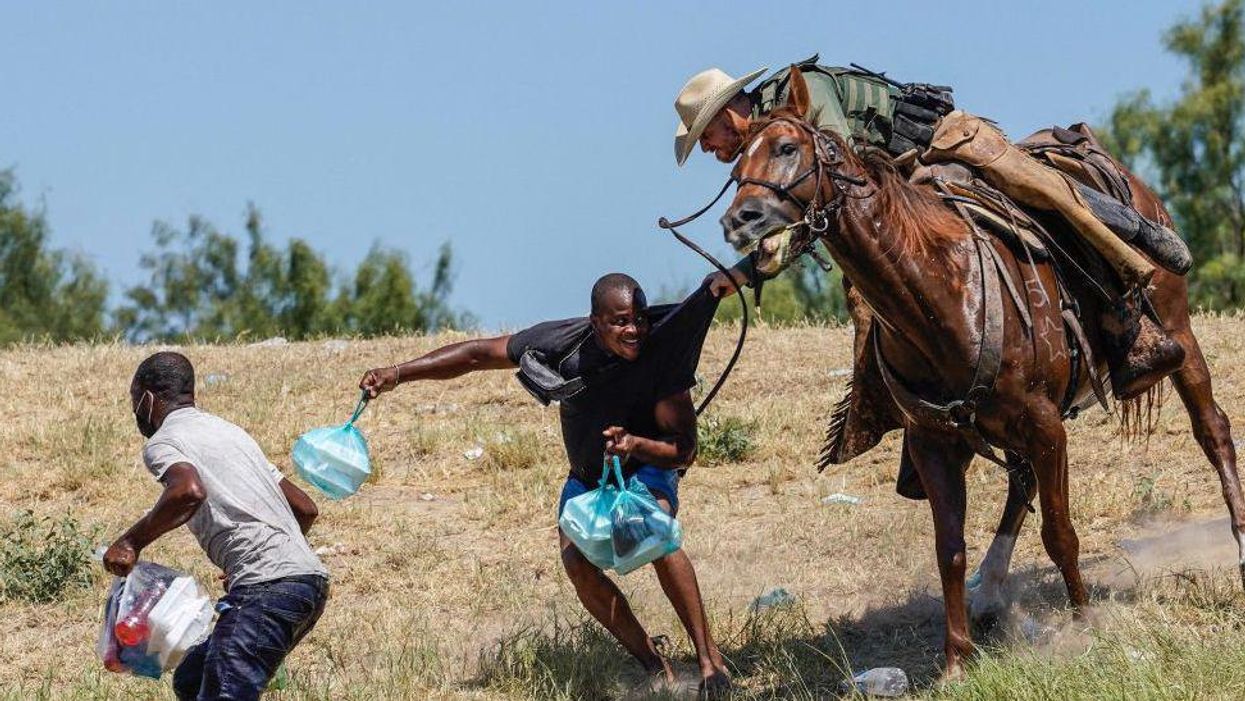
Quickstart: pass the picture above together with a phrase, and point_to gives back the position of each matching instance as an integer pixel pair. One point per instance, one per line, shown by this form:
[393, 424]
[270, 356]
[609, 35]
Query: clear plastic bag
[588, 520]
[152, 617]
[640, 530]
[334, 459]
[619, 525]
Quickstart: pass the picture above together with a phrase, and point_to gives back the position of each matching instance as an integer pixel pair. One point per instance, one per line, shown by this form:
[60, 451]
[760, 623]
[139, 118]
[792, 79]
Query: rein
[743, 306]
[958, 415]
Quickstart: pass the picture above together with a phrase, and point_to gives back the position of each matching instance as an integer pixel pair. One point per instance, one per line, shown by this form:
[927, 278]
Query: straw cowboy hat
[700, 99]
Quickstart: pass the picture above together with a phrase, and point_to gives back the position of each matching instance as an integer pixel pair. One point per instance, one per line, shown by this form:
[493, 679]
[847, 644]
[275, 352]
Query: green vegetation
[801, 294]
[728, 439]
[1192, 149]
[44, 293]
[202, 284]
[197, 289]
[41, 558]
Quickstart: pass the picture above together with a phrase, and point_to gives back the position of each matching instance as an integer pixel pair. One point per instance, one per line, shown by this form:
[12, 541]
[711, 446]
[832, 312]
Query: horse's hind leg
[987, 583]
[1212, 431]
[940, 460]
[1048, 452]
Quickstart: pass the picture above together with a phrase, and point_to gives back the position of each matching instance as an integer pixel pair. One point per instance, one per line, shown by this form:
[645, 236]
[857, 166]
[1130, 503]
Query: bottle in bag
[629, 530]
[882, 681]
[134, 628]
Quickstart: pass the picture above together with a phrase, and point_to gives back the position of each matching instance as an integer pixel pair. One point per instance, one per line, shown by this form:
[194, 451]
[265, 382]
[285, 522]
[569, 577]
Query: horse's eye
[788, 149]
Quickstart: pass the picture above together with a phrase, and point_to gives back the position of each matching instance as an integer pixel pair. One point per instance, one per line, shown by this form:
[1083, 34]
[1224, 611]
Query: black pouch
[543, 382]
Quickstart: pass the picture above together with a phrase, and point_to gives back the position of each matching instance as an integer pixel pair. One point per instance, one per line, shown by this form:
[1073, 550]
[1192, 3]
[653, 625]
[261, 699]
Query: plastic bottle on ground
[882, 681]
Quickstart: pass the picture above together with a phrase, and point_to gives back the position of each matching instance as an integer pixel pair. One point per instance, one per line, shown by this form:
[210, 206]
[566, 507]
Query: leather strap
[961, 415]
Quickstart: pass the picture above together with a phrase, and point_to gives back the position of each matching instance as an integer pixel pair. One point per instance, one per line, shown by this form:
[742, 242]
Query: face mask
[145, 424]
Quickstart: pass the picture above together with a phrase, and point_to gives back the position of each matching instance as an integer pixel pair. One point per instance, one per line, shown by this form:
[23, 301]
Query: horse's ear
[797, 95]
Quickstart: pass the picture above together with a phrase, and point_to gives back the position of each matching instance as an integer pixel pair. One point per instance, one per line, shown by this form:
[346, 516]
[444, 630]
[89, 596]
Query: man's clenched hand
[379, 380]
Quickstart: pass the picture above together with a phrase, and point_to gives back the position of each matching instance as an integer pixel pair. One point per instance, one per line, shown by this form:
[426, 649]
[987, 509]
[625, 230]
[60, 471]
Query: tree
[1193, 149]
[198, 289]
[44, 293]
[384, 298]
[803, 293]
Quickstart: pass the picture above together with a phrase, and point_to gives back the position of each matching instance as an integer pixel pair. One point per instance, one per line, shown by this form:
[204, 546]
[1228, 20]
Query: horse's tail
[1139, 416]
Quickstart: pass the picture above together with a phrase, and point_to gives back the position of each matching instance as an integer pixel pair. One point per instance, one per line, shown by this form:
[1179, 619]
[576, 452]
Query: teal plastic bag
[334, 459]
[619, 525]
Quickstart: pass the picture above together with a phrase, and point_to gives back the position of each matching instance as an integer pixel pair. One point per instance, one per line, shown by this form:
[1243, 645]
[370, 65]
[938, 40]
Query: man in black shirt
[623, 376]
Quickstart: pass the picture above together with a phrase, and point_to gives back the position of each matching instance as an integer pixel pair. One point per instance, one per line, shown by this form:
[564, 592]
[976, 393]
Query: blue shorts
[660, 481]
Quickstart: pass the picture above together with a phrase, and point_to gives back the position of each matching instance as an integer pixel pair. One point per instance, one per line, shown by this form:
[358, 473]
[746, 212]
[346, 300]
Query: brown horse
[922, 270]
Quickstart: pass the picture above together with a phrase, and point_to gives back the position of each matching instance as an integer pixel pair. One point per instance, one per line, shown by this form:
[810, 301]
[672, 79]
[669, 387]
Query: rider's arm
[441, 364]
[743, 272]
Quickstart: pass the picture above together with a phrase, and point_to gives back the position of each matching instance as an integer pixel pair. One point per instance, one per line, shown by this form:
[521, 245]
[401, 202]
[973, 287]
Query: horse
[925, 274]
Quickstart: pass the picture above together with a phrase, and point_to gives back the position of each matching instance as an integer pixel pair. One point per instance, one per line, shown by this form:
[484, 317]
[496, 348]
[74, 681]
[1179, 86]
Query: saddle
[867, 411]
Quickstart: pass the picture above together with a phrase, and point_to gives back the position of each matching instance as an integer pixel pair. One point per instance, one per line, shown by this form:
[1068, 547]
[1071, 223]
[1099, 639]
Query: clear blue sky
[536, 137]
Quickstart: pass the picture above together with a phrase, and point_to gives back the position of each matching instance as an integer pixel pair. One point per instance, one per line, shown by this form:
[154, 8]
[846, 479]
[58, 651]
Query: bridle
[825, 166]
[826, 160]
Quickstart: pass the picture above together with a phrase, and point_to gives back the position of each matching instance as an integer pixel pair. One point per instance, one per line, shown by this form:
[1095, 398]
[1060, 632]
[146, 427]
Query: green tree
[44, 293]
[199, 289]
[803, 293]
[384, 298]
[1193, 148]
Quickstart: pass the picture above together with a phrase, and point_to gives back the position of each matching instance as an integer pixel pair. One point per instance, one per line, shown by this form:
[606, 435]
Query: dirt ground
[443, 556]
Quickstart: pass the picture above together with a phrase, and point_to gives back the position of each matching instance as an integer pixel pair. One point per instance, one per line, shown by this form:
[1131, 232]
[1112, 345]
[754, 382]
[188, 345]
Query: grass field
[447, 584]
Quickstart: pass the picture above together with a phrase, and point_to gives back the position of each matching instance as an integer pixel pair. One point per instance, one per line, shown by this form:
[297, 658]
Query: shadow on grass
[775, 653]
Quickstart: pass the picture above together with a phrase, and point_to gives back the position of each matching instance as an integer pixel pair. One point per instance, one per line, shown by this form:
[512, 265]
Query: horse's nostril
[748, 216]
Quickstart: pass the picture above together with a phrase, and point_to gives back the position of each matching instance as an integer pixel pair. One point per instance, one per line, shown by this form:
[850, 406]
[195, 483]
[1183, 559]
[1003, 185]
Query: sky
[537, 138]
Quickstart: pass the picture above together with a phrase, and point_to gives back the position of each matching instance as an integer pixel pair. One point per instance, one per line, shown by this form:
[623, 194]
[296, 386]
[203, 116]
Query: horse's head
[786, 175]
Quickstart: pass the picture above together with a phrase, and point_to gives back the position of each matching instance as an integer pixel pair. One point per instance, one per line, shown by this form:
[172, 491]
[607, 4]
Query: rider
[919, 121]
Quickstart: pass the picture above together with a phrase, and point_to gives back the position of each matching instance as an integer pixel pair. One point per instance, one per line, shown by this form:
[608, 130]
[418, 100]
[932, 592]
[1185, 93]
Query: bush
[728, 439]
[40, 558]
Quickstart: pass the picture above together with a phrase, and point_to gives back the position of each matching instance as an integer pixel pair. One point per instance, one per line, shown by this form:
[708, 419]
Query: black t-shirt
[619, 393]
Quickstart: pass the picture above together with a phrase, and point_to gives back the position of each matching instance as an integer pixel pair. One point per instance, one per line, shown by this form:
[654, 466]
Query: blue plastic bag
[619, 525]
[334, 459]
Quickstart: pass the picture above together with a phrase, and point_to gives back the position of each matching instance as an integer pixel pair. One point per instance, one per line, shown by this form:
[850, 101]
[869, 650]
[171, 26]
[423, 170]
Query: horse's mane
[917, 218]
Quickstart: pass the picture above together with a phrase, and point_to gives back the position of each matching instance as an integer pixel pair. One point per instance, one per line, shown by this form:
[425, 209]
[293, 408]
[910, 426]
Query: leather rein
[959, 415]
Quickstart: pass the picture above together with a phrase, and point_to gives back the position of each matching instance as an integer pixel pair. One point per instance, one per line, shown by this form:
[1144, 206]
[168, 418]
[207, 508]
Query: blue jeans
[258, 626]
[660, 481]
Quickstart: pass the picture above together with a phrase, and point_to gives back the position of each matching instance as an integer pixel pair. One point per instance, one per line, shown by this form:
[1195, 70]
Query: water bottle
[134, 628]
[882, 681]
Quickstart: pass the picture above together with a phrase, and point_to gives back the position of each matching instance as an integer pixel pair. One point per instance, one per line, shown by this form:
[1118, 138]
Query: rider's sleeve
[679, 337]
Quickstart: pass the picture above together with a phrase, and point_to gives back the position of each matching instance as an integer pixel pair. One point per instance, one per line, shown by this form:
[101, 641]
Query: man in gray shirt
[249, 520]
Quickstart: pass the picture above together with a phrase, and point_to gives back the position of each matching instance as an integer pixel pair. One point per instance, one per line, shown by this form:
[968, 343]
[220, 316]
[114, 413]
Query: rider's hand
[619, 442]
[720, 285]
[120, 557]
[379, 380]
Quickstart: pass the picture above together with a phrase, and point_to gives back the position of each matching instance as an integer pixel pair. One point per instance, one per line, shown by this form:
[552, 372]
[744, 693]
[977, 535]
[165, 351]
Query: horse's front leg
[940, 460]
[987, 585]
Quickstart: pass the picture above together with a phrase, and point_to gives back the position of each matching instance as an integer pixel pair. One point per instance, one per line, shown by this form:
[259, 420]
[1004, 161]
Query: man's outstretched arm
[441, 364]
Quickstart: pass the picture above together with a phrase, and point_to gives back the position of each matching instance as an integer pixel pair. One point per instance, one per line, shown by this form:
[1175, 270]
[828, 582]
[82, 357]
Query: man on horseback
[918, 126]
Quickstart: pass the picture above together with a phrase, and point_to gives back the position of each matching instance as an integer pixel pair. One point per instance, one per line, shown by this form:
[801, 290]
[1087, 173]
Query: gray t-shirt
[245, 525]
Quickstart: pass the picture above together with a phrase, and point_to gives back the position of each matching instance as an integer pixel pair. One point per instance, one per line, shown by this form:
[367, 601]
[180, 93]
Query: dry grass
[446, 578]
